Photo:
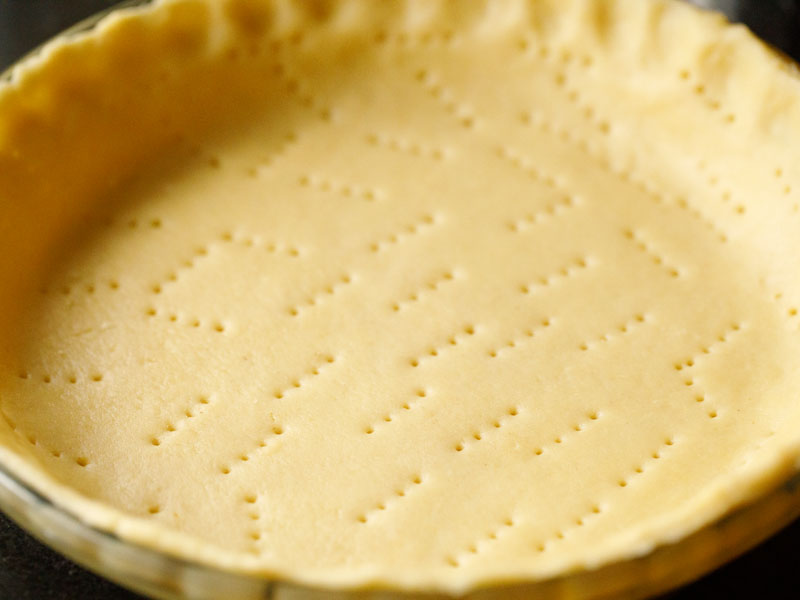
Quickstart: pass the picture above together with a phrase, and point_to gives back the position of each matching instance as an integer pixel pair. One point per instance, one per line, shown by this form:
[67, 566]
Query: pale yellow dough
[426, 294]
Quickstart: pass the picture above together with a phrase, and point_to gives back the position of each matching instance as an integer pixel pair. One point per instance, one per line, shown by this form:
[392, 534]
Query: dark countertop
[31, 571]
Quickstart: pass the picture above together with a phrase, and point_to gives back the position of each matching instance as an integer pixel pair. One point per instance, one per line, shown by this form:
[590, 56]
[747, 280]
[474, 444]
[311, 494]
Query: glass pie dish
[162, 576]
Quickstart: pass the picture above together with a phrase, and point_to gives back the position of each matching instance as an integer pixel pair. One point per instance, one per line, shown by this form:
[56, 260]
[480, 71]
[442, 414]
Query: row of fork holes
[192, 322]
[432, 286]
[493, 535]
[577, 428]
[420, 393]
[656, 455]
[622, 329]
[96, 377]
[513, 343]
[297, 383]
[478, 436]
[565, 56]
[188, 414]
[452, 341]
[89, 288]
[399, 493]
[700, 398]
[277, 430]
[700, 90]
[81, 461]
[596, 509]
[579, 522]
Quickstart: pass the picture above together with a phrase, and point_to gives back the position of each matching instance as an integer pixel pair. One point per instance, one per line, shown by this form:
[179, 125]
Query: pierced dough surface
[470, 293]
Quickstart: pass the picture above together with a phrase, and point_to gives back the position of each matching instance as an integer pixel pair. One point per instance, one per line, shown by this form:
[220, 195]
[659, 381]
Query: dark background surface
[30, 571]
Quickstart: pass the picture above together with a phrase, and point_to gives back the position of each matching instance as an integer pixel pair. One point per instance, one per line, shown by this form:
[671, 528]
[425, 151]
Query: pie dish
[429, 297]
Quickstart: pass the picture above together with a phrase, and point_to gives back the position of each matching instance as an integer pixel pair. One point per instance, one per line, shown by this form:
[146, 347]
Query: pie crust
[421, 295]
